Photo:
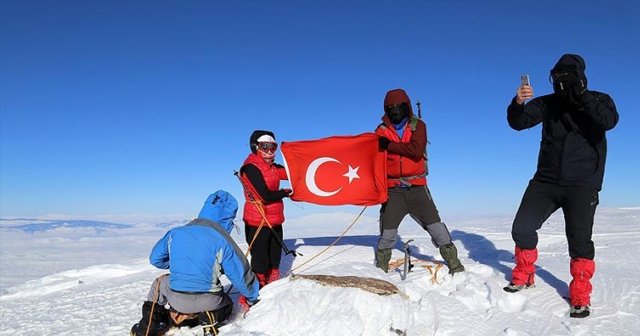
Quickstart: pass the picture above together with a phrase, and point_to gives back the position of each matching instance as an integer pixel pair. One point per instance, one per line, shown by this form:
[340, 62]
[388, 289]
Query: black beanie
[253, 139]
[571, 60]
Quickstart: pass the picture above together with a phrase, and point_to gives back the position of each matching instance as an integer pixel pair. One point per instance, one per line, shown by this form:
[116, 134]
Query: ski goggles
[267, 146]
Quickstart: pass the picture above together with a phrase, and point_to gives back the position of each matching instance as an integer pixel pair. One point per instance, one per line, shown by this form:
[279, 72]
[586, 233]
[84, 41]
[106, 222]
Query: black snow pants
[266, 250]
[540, 200]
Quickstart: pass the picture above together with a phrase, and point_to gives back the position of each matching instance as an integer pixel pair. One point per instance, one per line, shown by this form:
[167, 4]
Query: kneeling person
[197, 254]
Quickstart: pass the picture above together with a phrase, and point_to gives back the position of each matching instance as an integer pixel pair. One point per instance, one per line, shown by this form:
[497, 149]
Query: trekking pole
[258, 204]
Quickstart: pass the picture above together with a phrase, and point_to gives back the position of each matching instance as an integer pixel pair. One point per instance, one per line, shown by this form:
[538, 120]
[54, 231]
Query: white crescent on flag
[310, 177]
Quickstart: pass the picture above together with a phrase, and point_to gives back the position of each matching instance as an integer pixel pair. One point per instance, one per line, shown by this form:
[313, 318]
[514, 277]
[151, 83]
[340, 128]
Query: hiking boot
[382, 259]
[450, 254]
[134, 329]
[512, 288]
[210, 331]
[579, 311]
[139, 330]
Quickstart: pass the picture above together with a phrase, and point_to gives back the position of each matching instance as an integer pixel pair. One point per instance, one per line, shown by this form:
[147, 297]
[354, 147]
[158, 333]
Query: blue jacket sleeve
[237, 269]
[160, 253]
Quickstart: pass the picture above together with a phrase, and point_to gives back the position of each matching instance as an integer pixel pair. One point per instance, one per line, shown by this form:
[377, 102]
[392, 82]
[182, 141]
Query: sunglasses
[267, 146]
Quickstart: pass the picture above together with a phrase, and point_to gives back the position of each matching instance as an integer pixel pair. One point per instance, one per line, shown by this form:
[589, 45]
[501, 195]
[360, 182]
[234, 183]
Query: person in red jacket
[263, 208]
[404, 137]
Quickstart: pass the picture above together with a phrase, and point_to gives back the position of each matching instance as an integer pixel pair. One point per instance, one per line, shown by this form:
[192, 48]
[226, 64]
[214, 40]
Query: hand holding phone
[525, 91]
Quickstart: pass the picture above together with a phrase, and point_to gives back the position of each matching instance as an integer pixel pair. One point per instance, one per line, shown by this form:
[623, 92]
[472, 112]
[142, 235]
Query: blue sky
[145, 107]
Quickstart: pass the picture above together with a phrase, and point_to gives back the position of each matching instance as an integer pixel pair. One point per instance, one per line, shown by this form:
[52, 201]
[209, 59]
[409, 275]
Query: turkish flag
[337, 170]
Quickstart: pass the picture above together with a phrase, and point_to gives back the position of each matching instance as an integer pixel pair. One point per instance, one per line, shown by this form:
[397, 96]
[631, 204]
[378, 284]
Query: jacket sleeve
[601, 109]
[237, 269]
[160, 253]
[415, 147]
[254, 176]
[526, 115]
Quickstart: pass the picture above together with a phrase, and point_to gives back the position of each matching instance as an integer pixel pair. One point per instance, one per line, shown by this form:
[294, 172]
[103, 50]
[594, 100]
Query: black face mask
[396, 113]
[567, 85]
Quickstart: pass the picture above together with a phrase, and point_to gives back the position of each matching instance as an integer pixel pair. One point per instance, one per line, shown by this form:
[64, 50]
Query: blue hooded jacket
[198, 253]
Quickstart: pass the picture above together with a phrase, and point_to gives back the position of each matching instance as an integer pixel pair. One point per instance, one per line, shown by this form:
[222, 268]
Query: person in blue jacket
[197, 255]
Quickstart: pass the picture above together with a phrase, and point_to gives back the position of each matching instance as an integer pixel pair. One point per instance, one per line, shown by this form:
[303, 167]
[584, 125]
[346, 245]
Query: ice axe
[407, 260]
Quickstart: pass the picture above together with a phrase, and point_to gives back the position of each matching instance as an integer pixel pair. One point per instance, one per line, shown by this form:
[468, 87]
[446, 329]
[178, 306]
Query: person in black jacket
[570, 171]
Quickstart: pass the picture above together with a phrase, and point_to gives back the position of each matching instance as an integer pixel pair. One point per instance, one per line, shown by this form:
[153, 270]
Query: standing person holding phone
[569, 176]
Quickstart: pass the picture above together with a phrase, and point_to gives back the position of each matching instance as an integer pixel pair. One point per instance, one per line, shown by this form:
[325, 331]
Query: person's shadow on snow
[484, 251]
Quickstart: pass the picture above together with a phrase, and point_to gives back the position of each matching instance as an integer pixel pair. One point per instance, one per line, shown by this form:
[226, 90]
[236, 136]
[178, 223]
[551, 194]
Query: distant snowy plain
[76, 277]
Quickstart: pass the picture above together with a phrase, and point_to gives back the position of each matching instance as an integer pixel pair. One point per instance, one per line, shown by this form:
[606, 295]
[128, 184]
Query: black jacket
[573, 149]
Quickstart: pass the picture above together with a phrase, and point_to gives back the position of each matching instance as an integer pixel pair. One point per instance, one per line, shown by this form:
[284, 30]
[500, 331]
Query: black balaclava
[397, 113]
[568, 78]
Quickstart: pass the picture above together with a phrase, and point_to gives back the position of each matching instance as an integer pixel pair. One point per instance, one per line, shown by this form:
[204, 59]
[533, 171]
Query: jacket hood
[220, 207]
[397, 96]
[571, 61]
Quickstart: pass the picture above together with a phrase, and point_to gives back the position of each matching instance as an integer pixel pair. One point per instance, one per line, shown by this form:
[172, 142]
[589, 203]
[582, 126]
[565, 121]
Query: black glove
[576, 92]
[383, 143]
[286, 192]
[570, 87]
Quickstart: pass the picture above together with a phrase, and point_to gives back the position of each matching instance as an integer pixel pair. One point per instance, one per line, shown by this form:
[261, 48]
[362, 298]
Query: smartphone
[524, 80]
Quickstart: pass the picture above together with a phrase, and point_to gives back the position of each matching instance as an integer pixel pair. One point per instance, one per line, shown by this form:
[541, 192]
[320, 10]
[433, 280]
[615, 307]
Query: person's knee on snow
[155, 320]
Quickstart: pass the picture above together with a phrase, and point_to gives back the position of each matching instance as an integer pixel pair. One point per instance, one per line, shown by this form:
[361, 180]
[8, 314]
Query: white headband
[266, 138]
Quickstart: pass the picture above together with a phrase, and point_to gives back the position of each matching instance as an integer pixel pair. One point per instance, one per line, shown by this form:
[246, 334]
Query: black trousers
[540, 200]
[266, 250]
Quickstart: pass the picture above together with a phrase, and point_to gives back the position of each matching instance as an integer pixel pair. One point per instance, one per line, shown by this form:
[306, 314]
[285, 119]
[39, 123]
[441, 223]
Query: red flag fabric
[337, 170]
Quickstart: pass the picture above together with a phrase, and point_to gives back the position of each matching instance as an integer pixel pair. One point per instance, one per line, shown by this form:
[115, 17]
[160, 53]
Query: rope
[255, 235]
[212, 320]
[335, 242]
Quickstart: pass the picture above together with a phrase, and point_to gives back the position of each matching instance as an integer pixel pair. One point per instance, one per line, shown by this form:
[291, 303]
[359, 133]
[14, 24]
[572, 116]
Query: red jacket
[406, 160]
[406, 157]
[274, 211]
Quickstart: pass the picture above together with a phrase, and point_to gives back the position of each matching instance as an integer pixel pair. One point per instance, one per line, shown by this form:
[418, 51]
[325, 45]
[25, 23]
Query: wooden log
[376, 286]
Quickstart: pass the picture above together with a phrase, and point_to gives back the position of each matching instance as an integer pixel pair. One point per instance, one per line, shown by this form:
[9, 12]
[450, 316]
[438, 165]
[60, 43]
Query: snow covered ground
[90, 278]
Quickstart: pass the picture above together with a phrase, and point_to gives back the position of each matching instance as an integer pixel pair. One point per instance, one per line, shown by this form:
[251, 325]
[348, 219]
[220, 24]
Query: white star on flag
[352, 173]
